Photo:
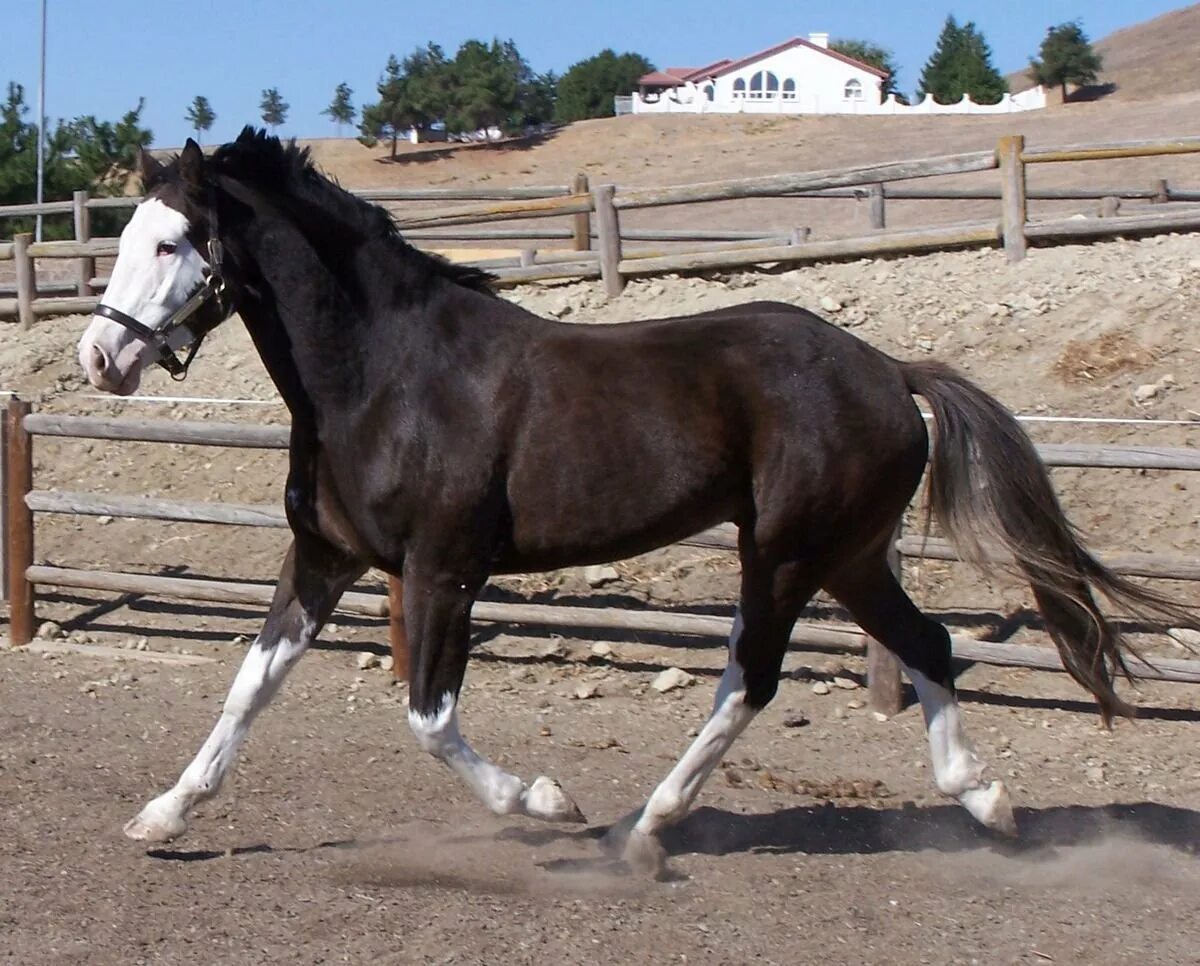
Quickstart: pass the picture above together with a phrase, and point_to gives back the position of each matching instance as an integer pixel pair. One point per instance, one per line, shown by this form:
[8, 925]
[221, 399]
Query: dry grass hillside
[1154, 57]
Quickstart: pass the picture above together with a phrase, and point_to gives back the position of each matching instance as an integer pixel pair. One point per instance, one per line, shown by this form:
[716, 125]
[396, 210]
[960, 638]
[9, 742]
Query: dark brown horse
[442, 434]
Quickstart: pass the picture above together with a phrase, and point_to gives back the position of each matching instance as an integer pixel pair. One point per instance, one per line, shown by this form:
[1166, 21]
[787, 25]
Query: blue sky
[101, 57]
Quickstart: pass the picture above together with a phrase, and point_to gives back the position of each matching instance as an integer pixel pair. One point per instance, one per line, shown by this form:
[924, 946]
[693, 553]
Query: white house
[797, 76]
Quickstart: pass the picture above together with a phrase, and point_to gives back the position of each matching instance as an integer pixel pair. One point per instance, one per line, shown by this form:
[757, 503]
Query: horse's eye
[166, 248]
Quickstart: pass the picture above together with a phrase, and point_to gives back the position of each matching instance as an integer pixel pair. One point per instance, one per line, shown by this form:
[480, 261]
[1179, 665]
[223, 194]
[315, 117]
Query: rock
[1146, 392]
[796, 720]
[830, 304]
[588, 689]
[600, 575]
[1095, 773]
[1185, 637]
[49, 631]
[553, 648]
[387, 662]
[879, 716]
[854, 704]
[672, 678]
[104, 520]
[846, 684]
[367, 660]
[820, 687]
[602, 649]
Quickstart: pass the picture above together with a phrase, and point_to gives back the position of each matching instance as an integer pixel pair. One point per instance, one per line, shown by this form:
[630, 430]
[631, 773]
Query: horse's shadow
[860, 830]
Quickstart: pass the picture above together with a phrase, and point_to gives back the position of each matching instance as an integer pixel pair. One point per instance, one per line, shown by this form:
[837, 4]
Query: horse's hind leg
[310, 584]
[772, 597]
[880, 606]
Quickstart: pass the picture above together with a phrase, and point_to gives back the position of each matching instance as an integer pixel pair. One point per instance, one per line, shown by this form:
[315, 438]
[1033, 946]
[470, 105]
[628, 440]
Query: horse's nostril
[99, 359]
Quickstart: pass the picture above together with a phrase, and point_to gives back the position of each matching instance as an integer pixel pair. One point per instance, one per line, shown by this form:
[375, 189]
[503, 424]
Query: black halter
[158, 340]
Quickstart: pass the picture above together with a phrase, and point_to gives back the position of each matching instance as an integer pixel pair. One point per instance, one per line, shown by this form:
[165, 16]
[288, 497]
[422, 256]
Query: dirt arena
[820, 840]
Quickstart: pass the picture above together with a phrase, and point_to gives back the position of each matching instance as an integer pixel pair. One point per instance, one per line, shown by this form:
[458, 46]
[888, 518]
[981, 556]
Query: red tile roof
[798, 42]
[658, 78]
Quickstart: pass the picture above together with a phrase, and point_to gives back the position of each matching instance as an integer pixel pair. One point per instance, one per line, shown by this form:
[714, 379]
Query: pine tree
[340, 110]
[274, 108]
[200, 115]
[588, 87]
[961, 64]
[1066, 57]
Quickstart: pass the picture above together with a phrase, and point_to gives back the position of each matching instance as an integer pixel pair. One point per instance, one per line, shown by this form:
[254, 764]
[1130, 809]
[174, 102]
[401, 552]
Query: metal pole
[41, 140]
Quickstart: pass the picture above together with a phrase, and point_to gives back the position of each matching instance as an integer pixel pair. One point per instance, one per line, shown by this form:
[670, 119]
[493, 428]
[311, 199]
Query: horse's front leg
[312, 580]
[437, 616]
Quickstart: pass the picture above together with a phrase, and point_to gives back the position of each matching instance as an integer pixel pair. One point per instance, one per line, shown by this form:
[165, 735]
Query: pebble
[846, 684]
[602, 649]
[387, 662]
[367, 660]
[830, 304]
[1095, 773]
[795, 721]
[600, 575]
[588, 689]
[49, 631]
[820, 687]
[672, 678]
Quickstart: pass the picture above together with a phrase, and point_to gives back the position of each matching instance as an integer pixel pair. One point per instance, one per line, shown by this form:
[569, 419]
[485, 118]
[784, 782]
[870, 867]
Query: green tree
[84, 153]
[868, 53]
[340, 110]
[200, 115]
[274, 108]
[486, 92]
[413, 94]
[1066, 57]
[588, 87]
[961, 64]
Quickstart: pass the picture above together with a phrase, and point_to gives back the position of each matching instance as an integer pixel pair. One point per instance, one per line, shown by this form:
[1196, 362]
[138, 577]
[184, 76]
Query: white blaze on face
[157, 270]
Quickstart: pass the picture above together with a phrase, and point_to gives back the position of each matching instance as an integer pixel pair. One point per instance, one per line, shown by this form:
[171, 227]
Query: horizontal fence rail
[609, 244]
[23, 501]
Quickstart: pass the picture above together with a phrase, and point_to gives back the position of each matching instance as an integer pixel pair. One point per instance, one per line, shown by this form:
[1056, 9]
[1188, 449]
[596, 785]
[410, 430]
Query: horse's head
[166, 287]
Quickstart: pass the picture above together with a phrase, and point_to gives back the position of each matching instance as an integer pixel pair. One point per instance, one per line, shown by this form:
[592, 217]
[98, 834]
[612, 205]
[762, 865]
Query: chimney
[819, 40]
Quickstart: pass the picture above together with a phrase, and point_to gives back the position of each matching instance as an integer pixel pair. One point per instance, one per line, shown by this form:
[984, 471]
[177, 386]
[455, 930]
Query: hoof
[991, 807]
[546, 800]
[155, 829]
[645, 855]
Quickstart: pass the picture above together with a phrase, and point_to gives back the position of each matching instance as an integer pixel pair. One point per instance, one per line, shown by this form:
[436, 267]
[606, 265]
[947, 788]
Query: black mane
[288, 170]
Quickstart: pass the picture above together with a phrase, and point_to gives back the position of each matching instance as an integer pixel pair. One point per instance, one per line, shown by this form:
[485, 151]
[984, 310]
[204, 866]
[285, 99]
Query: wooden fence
[23, 501]
[614, 260]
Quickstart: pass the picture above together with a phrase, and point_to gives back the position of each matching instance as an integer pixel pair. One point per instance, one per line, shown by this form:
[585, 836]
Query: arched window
[708, 91]
[789, 89]
[739, 87]
[854, 91]
[764, 85]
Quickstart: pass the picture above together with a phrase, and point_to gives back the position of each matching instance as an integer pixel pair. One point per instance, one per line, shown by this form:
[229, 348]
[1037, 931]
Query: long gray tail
[987, 485]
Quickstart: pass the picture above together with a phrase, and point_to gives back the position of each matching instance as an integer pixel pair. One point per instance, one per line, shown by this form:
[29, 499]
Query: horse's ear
[149, 166]
[191, 163]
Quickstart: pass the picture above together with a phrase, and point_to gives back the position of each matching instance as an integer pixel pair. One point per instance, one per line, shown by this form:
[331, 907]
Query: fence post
[1162, 194]
[583, 220]
[878, 210]
[26, 282]
[397, 635]
[20, 524]
[886, 691]
[609, 228]
[85, 267]
[4, 509]
[1012, 194]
